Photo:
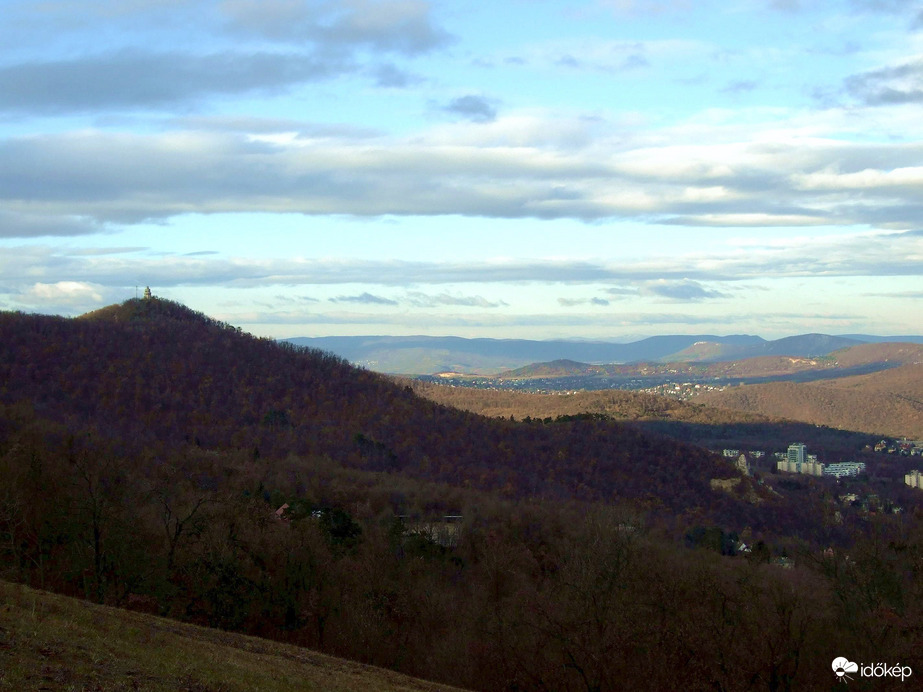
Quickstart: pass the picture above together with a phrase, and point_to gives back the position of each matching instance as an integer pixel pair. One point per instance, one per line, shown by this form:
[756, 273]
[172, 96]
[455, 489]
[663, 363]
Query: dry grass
[51, 642]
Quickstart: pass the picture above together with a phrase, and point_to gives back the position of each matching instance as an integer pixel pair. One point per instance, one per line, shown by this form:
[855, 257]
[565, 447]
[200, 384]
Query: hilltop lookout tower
[147, 293]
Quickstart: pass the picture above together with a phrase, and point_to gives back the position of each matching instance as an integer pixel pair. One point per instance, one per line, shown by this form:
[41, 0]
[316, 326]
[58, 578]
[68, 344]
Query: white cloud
[65, 297]
[67, 290]
[423, 300]
[868, 179]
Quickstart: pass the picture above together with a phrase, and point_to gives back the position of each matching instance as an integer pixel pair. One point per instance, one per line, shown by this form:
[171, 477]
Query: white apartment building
[843, 469]
[914, 479]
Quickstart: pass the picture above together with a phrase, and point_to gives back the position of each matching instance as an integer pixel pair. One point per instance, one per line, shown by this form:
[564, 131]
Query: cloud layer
[106, 177]
[681, 278]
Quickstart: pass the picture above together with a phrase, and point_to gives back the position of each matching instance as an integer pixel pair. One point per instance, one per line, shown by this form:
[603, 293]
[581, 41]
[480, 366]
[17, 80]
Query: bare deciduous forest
[147, 451]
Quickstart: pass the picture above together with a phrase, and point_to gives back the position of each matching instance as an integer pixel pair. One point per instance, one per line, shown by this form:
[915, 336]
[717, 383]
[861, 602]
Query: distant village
[683, 390]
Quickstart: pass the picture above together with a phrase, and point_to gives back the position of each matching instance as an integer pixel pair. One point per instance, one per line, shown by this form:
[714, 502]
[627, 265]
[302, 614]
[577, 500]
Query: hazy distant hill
[805, 345]
[904, 353]
[857, 359]
[760, 366]
[872, 339]
[423, 355]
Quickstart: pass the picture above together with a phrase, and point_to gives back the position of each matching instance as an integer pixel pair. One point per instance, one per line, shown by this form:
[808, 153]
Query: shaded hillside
[159, 383]
[55, 642]
[885, 403]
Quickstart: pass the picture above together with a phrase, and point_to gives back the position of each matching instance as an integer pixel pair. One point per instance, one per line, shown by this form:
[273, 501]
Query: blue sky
[597, 169]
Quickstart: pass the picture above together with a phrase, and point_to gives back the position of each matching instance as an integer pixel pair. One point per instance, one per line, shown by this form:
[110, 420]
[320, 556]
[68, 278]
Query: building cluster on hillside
[914, 479]
[742, 458]
[682, 390]
[734, 453]
[797, 460]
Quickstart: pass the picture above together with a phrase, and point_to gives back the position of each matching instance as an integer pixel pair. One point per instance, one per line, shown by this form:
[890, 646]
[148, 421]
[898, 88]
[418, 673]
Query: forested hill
[146, 452]
[151, 378]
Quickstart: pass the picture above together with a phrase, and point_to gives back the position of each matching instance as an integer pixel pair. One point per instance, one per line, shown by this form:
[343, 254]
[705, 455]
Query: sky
[589, 169]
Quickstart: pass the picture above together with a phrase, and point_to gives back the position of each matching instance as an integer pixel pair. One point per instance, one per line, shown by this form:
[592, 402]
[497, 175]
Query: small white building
[742, 465]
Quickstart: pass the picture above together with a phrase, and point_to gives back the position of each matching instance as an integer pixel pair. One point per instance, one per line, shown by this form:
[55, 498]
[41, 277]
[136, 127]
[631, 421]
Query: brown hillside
[687, 421]
[903, 381]
[887, 403]
[767, 366]
[616, 403]
[879, 353]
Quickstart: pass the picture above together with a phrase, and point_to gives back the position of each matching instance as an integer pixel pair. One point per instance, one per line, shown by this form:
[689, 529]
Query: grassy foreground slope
[52, 642]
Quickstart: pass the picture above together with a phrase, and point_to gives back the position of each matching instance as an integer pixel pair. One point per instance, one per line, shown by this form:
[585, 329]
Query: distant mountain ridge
[423, 355]
[804, 345]
[852, 360]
